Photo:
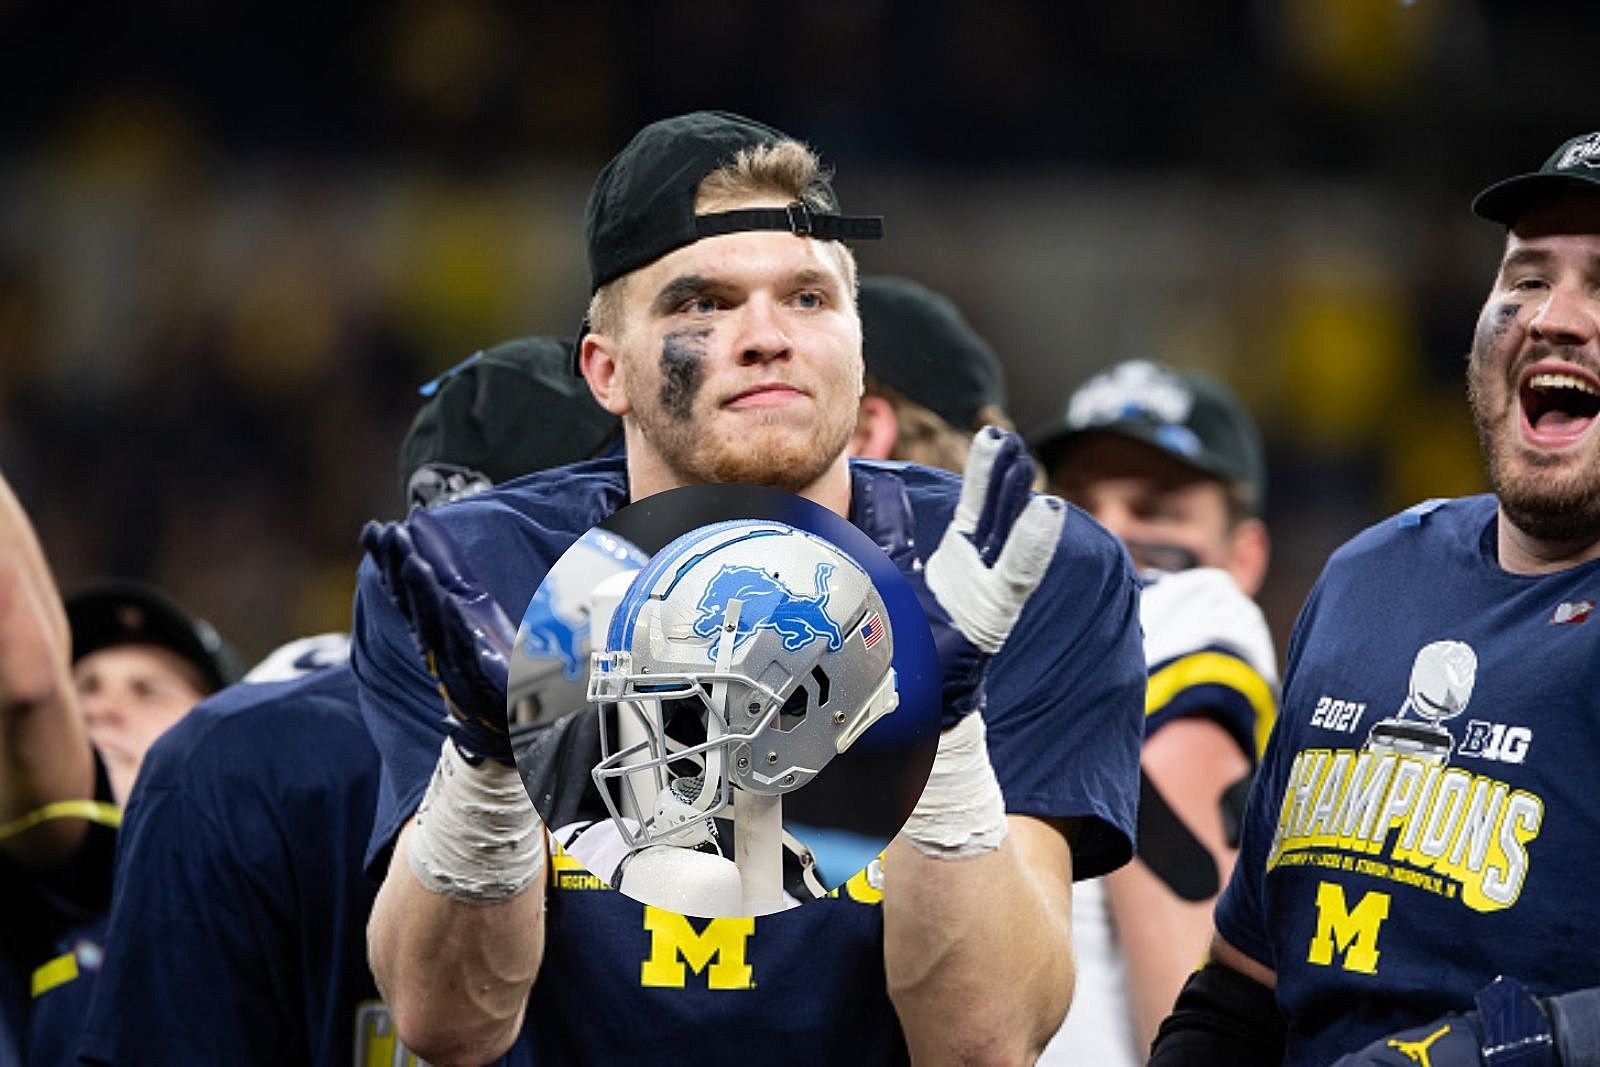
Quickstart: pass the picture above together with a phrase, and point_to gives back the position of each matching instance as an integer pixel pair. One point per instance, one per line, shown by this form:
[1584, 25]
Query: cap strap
[796, 218]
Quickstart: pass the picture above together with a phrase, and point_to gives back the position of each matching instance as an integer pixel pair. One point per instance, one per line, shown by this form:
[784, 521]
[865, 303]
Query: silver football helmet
[749, 653]
[553, 641]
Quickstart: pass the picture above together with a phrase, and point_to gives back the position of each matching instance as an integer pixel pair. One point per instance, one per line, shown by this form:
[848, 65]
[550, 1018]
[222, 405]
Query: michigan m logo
[717, 951]
[1355, 933]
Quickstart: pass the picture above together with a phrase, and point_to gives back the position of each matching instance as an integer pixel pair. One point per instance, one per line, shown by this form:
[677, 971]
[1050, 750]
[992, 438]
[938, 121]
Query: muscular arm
[978, 950]
[455, 975]
[1163, 937]
[44, 753]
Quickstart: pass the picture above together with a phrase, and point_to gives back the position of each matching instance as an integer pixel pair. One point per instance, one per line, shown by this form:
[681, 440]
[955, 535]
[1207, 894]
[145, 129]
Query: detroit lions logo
[768, 605]
[548, 636]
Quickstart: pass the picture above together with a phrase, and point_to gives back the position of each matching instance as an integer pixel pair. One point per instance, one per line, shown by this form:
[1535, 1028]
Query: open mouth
[1558, 406]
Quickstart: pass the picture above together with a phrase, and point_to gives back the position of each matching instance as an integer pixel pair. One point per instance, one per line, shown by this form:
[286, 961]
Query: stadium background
[234, 239]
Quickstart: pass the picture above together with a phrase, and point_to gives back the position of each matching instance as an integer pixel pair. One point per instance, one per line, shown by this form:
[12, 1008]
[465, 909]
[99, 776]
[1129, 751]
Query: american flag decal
[872, 630]
[1571, 611]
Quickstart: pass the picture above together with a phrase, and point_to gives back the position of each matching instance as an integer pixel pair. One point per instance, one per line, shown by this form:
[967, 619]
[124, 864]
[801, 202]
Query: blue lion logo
[549, 636]
[768, 605]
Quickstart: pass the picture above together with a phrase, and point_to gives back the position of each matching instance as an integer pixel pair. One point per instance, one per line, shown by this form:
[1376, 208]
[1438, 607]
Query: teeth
[1562, 381]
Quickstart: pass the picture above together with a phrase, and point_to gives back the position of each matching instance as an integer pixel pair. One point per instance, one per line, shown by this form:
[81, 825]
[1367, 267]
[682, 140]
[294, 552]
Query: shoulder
[1202, 609]
[558, 498]
[252, 731]
[934, 493]
[1452, 525]
[530, 520]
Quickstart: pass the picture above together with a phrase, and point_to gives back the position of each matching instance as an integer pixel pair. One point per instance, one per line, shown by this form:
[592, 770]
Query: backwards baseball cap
[501, 413]
[1196, 419]
[917, 342]
[1575, 166]
[642, 205]
[119, 612]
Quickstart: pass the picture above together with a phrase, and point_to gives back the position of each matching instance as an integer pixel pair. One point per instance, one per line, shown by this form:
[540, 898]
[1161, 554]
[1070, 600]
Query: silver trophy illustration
[1441, 684]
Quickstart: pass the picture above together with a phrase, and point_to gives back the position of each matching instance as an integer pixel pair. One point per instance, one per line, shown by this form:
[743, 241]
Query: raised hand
[462, 633]
[992, 557]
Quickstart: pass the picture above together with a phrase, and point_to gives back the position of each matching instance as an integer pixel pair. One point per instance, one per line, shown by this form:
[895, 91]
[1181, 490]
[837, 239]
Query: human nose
[1569, 315]
[100, 707]
[762, 337]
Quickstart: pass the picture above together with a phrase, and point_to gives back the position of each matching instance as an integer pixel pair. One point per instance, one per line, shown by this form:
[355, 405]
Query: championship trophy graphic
[1441, 684]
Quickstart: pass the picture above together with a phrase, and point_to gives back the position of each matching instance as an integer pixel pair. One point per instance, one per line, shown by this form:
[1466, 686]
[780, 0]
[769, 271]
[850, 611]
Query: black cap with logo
[1575, 166]
[918, 343]
[119, 612]
[501, 413]
[1195, 418]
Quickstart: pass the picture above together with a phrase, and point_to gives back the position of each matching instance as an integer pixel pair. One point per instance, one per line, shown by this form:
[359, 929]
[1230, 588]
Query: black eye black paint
[1493, 325]
[682, 371]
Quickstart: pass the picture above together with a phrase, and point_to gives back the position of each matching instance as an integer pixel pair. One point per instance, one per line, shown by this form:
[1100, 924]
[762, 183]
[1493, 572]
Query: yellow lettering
[1355, 933]
[717, 951]
[377, 1045]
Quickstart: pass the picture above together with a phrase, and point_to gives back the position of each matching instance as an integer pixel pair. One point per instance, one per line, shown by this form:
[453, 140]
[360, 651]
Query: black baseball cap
[503, 412]
[1575, 166]
[917, 342]
[121, 612]
[1193, 417]
[642, 204]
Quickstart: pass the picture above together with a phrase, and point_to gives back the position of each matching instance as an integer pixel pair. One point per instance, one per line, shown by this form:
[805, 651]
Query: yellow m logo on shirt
[1355, 933]
[717, 951]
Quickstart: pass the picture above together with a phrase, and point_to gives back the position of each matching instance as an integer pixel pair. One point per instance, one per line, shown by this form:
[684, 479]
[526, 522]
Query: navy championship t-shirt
[620, 980]
[1424, 819]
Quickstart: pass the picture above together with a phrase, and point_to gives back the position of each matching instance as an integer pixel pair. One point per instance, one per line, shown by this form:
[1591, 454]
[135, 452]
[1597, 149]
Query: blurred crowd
[234, 243]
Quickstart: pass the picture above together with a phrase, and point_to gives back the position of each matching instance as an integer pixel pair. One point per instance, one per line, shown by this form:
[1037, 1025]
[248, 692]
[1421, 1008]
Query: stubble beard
[1549, 498]
[762, 450]
[699, 444]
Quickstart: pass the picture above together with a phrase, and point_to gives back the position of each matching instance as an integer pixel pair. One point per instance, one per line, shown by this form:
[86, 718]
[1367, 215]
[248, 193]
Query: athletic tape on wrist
[962, 812]
[477, 837]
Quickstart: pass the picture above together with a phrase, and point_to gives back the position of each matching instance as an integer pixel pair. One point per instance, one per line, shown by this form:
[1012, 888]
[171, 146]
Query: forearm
[44, 754]
[1163, 937]
[455, 975]
[1163, 940]
[978, 950]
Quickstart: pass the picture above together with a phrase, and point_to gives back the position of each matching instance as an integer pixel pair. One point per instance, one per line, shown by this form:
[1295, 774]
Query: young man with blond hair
[724, 333]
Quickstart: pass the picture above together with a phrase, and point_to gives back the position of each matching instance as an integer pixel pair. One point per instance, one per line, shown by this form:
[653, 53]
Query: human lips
[1559, 402]
[767, 394]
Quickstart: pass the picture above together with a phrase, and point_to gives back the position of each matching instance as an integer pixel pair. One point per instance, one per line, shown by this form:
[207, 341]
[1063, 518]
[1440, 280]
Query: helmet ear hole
[793, 712]
[820, 676]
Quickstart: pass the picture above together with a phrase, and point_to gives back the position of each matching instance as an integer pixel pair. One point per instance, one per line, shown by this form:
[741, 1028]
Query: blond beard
[774, 455]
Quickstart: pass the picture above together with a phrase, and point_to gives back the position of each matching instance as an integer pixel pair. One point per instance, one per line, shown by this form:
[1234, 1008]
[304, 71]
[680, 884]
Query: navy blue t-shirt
[238, 931]
[621, 980]
[1425, 818]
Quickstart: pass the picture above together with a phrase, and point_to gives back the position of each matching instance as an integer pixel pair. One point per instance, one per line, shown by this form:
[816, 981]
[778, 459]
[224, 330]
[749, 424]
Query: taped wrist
[962, 812]
[477, 837]
[1575, 1019]
[1221, 1018]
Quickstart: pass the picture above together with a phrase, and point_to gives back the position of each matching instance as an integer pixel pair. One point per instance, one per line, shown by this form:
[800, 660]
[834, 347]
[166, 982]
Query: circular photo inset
[725, 701]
